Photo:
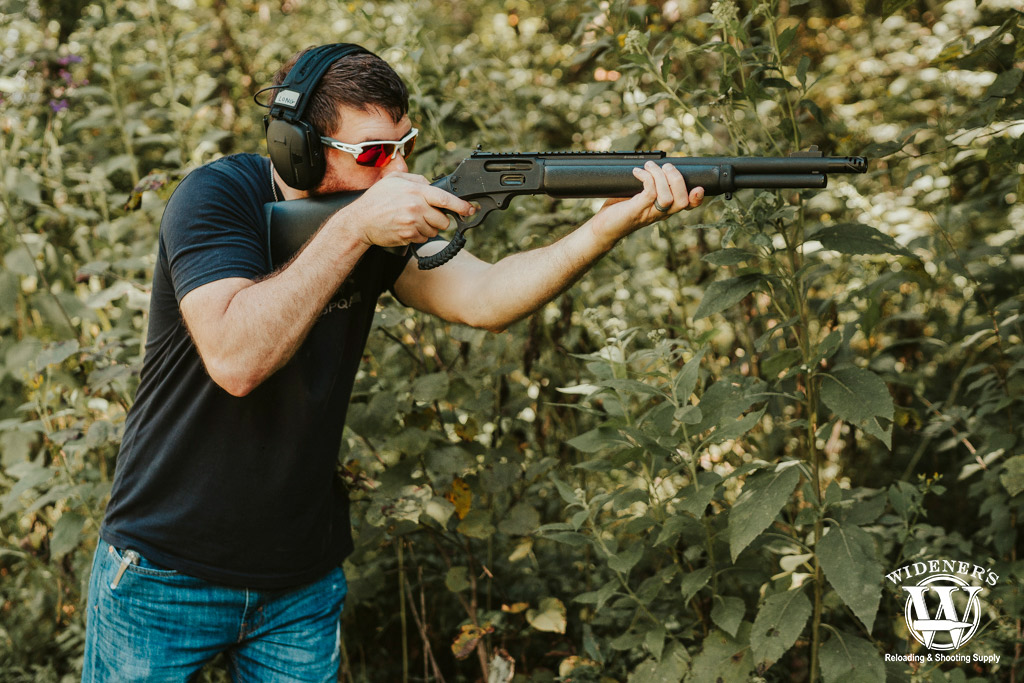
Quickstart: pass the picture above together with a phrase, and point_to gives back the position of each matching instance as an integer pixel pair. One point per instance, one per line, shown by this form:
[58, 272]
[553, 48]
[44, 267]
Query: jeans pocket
[131, 561]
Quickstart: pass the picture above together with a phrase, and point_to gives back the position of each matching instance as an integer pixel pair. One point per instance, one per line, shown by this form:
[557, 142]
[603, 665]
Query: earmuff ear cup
[296, 152]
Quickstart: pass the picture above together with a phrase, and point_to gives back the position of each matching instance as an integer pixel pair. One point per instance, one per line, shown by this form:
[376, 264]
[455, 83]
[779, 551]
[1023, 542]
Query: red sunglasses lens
[374, 156]
[380, 155]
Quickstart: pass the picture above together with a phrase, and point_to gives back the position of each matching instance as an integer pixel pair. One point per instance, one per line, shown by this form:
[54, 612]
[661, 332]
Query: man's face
[343, 173]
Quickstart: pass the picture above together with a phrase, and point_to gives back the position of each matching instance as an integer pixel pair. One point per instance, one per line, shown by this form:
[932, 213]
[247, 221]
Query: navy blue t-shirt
[241, 491]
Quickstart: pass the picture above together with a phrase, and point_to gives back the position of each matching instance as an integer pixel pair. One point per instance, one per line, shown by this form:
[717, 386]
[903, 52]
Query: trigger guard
[486, 204]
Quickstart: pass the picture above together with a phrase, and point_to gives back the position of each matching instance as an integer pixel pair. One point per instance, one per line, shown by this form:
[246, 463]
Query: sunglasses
[376, 153]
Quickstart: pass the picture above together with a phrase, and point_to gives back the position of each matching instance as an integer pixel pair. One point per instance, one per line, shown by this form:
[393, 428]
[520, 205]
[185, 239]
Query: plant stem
[401, 611]
[812, 398]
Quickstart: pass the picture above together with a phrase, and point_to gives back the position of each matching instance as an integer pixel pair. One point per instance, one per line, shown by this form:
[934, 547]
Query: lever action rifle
[491, 180]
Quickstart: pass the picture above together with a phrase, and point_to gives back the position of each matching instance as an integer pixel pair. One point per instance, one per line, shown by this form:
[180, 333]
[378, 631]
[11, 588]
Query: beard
[351, 179]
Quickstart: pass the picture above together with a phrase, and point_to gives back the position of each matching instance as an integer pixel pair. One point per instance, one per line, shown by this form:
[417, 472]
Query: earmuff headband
[294, 94]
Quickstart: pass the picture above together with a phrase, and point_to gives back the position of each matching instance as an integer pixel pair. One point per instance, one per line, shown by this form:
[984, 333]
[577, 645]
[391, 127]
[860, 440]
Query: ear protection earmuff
[293, 143]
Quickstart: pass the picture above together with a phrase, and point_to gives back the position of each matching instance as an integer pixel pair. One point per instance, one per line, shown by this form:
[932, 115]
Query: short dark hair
[360, 81]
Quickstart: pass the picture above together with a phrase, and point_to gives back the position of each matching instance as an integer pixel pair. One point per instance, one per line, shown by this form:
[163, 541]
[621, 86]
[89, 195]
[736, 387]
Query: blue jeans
[159, 625]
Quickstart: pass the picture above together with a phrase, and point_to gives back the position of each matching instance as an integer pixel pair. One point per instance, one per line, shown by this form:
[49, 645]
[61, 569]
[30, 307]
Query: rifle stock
[492, 179]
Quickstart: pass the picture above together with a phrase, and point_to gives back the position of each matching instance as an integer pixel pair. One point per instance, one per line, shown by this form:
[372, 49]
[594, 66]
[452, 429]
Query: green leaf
[694, 500]
[430, 388]
[548, 617]
[375, 417]
[725, 293]
[857, 238]
[1005, 84]
[477, 524]
[724, 658]
[654, 641]
[56, 353]
[728, 613]
[686, 380]
[729, 256]
[457, 579]
[626, 559]
[812, 107]
[689, 415]
[522, 519]
[786, 38]
[779, 622]
[777, 83]
[570, 538]
[694, 581]
[26, 187]
[668, 668]
[600, 596]
[859, 396]
[759, 503]
[672, 528]
[629, 387]
[846, 658]
[596, 440]
[735, 428]
[801, 70]
[724, 401]
[779, 363]
[847, 555]
[67, 533]
[567, 493]
[1012, 477]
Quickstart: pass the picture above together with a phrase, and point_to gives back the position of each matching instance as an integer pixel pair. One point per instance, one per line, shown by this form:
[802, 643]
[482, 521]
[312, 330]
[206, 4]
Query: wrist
[602, 233]
[344, 234]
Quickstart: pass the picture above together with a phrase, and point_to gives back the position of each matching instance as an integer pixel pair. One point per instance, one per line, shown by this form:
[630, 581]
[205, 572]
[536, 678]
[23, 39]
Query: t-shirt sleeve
[211, 230]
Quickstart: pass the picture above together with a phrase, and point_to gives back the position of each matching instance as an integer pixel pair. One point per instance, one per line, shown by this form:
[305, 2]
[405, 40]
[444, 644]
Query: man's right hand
[399, 209]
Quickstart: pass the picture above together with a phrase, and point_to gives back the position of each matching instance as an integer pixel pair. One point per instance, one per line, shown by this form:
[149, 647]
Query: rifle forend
[492, 179]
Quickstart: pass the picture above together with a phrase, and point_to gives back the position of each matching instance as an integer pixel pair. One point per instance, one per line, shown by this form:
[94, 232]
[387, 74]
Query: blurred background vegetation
[697, 464]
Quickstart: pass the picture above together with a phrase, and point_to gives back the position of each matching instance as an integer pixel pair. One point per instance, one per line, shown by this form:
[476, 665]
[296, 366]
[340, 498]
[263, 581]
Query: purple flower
[70, 59]
[58, 105]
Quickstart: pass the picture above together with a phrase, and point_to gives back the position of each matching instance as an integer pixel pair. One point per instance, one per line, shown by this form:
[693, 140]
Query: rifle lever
[485, 205]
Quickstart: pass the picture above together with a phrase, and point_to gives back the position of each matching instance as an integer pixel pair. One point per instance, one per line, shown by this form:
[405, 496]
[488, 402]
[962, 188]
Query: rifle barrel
[581, 178]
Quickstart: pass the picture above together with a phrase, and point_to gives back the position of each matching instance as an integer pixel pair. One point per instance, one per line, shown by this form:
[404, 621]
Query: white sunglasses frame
[356, 150]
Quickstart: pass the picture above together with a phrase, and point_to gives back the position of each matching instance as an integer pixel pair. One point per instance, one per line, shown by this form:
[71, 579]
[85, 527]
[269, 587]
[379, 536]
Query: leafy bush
[700, 462]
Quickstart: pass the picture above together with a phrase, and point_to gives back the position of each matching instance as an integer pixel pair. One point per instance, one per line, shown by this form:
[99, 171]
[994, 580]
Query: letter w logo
[924, 624]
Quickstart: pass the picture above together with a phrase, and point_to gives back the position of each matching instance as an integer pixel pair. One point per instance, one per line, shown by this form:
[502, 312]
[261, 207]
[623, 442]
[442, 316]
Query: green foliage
[701, 461]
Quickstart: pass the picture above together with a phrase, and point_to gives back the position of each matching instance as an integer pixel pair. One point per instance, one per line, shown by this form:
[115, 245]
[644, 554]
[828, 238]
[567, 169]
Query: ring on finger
[659, 207]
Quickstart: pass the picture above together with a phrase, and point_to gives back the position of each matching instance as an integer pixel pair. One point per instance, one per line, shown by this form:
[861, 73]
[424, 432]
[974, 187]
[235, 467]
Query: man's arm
[245, 330]
[493, 296]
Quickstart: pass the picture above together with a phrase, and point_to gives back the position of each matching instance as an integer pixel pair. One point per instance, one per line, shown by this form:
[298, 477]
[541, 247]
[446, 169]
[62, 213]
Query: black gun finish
[492, 179]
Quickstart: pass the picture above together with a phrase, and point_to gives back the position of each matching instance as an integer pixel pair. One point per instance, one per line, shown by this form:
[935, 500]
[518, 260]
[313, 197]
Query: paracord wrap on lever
[442, 257]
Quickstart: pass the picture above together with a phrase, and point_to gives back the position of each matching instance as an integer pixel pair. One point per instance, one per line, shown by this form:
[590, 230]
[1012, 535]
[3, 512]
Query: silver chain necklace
[273, 185]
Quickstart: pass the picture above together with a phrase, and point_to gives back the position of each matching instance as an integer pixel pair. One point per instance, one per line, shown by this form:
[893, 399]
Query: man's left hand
[665, 193]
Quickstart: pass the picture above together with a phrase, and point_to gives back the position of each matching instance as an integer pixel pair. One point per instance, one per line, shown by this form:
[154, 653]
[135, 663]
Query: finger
[437, 197]
[650, 192]
[677, 185]
[696, 197]
[434, 222]
[663, 192]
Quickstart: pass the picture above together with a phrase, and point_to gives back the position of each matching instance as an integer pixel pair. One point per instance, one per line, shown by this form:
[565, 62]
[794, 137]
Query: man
[226, 527]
